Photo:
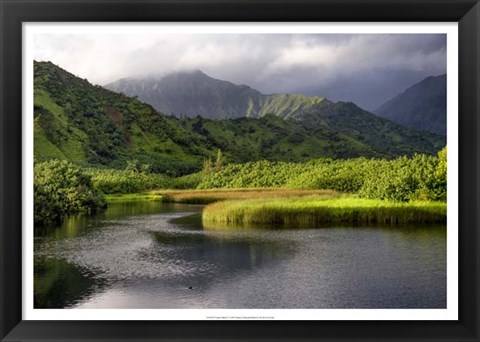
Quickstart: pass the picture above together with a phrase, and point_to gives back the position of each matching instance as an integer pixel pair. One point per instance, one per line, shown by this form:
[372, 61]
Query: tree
[441, 175]
[133, 166]
[220, 160]
[207, 165]
[60, 189]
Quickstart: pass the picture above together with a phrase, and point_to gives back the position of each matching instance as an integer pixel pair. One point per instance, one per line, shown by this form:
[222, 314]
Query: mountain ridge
[192, 93]
[421, 106]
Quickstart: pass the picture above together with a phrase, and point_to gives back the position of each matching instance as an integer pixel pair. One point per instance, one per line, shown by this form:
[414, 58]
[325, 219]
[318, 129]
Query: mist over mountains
[190, 93]
[367, 69]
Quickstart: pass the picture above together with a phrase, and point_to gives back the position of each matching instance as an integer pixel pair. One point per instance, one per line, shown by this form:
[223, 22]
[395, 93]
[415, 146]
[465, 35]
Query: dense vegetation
[420, 177]
[94, 127]
[90, 141]
[338, 130]
[60, 189]
[127, 181]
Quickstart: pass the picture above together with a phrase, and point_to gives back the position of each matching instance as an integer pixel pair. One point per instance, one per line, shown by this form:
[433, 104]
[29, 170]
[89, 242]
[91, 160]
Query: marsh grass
[210, 196]
[317, 211]
[148, 196]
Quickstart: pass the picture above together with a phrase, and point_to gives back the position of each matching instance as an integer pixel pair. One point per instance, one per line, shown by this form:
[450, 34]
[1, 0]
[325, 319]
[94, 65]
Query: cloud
[358, 55]
[268, 62]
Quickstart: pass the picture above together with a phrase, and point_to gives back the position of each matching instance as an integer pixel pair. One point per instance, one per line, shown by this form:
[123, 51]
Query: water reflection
[231, 253]
[155, 255]
[59, 284]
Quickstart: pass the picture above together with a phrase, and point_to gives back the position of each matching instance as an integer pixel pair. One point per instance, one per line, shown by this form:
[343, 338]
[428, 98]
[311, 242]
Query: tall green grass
[315, 211]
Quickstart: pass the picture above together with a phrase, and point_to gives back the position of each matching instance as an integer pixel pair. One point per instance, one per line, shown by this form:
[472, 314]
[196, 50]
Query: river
[158, 255]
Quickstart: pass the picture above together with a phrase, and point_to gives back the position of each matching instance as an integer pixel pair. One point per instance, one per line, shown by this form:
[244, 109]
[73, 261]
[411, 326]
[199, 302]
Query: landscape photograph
[239, 171]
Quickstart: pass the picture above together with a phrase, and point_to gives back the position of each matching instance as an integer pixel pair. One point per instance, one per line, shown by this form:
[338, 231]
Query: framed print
[205, 170]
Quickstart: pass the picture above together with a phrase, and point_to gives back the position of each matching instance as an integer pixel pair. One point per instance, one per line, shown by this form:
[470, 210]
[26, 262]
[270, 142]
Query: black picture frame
[14, 12]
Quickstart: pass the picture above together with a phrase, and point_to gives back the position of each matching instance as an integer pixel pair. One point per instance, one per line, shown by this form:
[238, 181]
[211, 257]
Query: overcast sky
[367, 69]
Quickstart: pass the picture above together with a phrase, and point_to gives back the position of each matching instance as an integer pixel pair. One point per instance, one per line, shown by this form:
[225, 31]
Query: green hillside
[92, 126]
[273, 138]
[384, 136]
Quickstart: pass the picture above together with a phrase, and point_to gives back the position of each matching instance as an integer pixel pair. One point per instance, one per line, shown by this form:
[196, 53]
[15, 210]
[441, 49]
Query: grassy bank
[210, 196]
[314, 211]
[383, 184]
[147, 196]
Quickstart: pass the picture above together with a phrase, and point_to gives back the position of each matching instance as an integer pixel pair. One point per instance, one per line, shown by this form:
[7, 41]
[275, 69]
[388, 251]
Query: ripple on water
[155, 261]
[123, 249]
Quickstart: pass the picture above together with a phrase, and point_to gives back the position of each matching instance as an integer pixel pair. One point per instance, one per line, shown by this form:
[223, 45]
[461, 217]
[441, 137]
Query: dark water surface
[157, 255]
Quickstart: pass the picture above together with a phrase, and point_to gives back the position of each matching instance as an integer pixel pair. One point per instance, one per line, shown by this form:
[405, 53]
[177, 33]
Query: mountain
[422, 106]
[192, 93]
[340, 130]
[195, 93]
[370, 130]
[92, 126]
[89, 125]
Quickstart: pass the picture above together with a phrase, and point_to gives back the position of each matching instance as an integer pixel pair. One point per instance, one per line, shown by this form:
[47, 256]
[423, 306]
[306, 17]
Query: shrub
[405, 179]
[189, 181]
[420, 177]
[111, 181]
[60, 189]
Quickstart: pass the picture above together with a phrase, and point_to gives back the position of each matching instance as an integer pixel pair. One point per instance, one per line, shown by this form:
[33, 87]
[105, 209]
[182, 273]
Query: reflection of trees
[58, 284]
[181, 255]
[76, 225]
[71, 227]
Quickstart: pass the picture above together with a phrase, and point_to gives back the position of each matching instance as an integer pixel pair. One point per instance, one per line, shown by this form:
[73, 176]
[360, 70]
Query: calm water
[155, 255]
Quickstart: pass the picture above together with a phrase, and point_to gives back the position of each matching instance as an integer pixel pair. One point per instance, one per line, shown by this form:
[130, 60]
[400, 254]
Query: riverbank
[313, 211]
[213, 195]
[152, 249]
[217, 195]
[142, 196]
[294, 208]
